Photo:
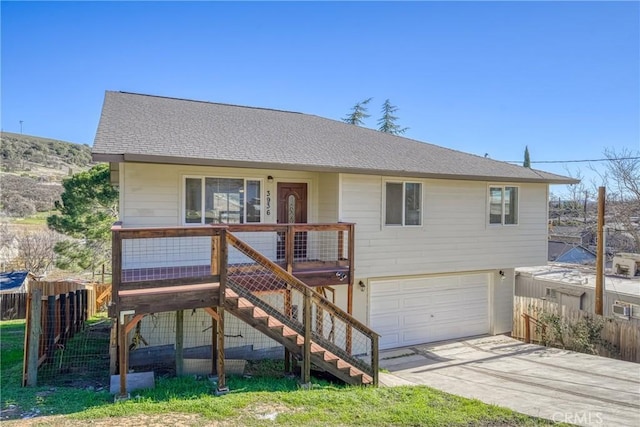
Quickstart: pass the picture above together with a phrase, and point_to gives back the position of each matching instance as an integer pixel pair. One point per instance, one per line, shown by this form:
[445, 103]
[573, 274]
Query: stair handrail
[299, 285]
[309, 296]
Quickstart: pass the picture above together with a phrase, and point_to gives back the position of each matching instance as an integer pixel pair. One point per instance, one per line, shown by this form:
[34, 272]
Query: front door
[292, 208]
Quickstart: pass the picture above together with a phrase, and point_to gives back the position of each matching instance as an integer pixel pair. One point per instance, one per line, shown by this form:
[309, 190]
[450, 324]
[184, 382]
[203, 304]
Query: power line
[576, 161]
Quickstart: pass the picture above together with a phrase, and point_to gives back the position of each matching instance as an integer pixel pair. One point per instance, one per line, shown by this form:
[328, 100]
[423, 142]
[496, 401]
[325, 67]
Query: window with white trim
[503, 205]
[403, 203]
[222, 200]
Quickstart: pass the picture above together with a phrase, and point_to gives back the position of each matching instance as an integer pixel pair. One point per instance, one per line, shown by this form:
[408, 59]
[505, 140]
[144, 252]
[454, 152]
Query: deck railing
[317, 254]
[164, 257]
[300, 308]
[258, 259]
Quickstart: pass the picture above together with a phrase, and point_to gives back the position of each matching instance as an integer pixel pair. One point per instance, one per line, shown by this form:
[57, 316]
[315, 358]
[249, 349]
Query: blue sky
[481, 77]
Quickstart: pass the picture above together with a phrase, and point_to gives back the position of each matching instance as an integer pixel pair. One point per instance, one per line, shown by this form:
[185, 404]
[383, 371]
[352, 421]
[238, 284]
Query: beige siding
[328, 197]
[151, 194]
[501, 301]
[455, 235]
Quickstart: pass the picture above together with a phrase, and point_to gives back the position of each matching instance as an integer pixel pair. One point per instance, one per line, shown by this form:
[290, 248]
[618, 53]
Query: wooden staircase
[297, 336]
[277, 329]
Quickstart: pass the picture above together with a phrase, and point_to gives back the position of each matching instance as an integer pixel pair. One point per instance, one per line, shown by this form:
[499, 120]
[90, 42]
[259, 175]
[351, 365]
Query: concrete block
[135, 381]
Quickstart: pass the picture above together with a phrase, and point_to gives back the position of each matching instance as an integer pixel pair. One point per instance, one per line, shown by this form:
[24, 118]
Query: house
[13, 282]
[570, 253]
[572, 234]
[411, 240]
[573, 286]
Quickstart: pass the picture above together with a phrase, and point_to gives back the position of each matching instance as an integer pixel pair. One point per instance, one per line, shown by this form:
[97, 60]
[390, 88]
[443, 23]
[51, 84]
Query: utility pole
[600, 252]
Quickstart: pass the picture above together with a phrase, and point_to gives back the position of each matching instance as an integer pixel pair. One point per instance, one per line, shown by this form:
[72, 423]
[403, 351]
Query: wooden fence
[13, 306]
[621, 335]
[56, 311]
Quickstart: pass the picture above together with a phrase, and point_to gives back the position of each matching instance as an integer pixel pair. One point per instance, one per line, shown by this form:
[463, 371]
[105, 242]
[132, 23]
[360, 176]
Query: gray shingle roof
[145, 128]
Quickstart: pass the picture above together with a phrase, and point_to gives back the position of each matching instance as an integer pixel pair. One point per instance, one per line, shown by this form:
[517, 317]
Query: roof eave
[172, 160]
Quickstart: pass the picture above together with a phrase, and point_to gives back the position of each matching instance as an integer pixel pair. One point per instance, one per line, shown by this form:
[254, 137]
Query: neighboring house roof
[583, 276]
[13, 281]
[571, 230]
[568, 253]
[153, 129]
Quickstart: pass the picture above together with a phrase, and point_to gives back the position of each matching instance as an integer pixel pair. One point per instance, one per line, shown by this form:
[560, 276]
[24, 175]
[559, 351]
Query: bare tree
[622, 179]
[575, 206]
[35, 249]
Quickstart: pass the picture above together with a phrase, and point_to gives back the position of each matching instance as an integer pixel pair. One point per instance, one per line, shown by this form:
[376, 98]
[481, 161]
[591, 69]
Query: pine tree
[358, 113]
[387, 122]
[87, 209]
[527, 161]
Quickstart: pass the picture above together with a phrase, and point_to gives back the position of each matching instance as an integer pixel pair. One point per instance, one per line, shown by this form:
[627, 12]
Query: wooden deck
[158, 280]
[169, 298]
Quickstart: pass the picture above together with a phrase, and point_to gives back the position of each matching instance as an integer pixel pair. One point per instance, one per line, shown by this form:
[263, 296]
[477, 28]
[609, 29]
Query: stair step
[261, 319]
[330, 357]
[259, 313]
[230, 294]
[274, 323]
[315, 348]
[342, 365]
[245, 304]
[287, 332]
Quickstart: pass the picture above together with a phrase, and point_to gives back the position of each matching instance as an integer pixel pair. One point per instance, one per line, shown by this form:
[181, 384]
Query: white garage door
[426, 309]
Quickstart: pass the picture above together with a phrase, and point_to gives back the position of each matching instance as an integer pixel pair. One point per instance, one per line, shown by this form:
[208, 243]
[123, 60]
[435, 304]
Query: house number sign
[268, 202]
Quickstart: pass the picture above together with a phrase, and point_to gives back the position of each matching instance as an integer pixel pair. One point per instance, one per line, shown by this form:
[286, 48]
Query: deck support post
[306, 358]
[179, 343]
[222, 382]
[288, 312]
[214, 345]
[289, 248]
[122, 356]
[375, 358]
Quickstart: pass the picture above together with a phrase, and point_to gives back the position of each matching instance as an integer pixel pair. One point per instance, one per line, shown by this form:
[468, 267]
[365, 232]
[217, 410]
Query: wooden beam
[256, 228]
[222, 382]
[214, 342]
[122, 358]
[116, 266]
[30, 377]
[288, 313]
[179, 342]
[167, 283]
[352, 253]
[113, 348]
[51, 326]
[160, 232]
[103, 295]
[289, 248]
[223, 262]
[215, 255]
[600, 252]
[375, 358]
[306, 357]
[349, 335]
[132, 324]
[212, 312]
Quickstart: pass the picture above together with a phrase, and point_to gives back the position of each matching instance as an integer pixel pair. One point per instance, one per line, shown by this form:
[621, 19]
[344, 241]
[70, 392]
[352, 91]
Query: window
[403, 202]
[221, 201]
[503, 205]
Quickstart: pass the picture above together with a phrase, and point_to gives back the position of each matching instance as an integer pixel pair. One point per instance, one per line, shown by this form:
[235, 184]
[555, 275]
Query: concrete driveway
[544, 382]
